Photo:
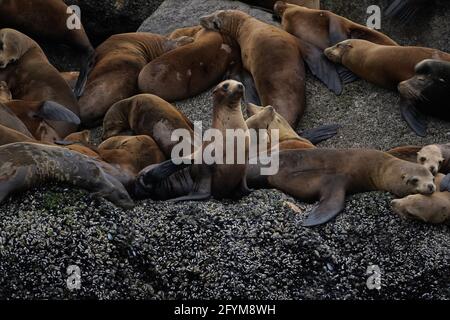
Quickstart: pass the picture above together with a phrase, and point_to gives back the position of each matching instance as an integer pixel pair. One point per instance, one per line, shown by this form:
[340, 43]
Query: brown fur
[71, 78]
[146, 114]
[190, 70]
[385, 66]
[119, 61]
[8, 135]
[271, 55]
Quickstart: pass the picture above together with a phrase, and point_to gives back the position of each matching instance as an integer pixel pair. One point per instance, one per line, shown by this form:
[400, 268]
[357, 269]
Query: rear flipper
[202, 187]
[346, 75]
[404, 10]
[330, 205]
[413, 117]
[162, 171]
[53, 111]
[238, 73]
[321, 67]
[86, 66]
[320, 134]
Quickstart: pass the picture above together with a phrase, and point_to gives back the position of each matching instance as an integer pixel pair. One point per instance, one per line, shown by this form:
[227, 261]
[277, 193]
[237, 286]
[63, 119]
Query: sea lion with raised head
[192, 69]
[25, 165]
[48, 20]
[264, 46]
[320, 29]
[201, 181]
[146, 114]
[30, 76]
[328, 175]
[114, 77]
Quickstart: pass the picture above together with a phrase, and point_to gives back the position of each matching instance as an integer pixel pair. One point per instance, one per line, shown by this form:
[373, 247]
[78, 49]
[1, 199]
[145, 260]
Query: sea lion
[435, 157]
[119, 60]
[8, 135]
[146, 114]
[427, 92]
[201, 181]
[405, 10]
[25, 165]
[320, 29]
[192, 69]
[48, 20]
[262, 47]
[328, 175]
[30, 77]
[268, 4]
[131, 153]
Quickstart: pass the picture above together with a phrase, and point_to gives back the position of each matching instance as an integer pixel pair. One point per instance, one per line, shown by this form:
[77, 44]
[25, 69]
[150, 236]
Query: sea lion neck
[232, 24]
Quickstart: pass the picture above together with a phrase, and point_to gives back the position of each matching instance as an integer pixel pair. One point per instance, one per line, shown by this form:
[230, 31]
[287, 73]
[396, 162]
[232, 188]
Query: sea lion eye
[216, 25]
[413, 181]
[423, 159]
[440, 162]
[226, 86]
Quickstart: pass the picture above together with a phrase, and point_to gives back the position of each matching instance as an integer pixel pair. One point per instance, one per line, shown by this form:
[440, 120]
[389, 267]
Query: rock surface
[253, 248]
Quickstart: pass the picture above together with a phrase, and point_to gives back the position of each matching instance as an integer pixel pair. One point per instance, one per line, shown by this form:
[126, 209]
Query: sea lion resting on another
[385, 66]
[264, 46]
[25, 165]
[119, 61]
[201, 181]
[192, 69]
[146, 114]
[48, 20]
[320, 29]
[30, 76]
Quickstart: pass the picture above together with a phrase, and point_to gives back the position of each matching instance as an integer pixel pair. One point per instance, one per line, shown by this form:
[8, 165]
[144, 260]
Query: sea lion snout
[231, 90]
[211, 22]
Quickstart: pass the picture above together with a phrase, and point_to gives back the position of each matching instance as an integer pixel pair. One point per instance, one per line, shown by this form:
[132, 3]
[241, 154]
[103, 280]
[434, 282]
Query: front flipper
[330, 205]
[413, 117]
[202, 186]
[51, 110]
[320, 134]
[251, 93]
[86, 66]
[321, 67]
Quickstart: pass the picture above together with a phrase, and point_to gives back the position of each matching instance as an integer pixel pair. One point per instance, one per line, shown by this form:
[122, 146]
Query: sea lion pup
[146, 114]
[427, 91]
[219, 179]
[328, 175]
[405, 10]
[262, 47]
[192, 69]
[267, 118]
[10, 120]
[30, 77]
[320, 29]
[119, 60]
[435, 157]
[25, 165]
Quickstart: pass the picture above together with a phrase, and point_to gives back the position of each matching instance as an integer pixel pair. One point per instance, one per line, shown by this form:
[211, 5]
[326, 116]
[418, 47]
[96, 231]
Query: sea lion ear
[253, 109]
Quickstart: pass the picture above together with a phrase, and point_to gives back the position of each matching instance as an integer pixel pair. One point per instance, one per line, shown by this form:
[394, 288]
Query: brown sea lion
[25, 165]
[8, 135]
[385, 66]
[320, 29]
[264, 46]
[30, 77]
[328, 175]
[48, 20]
[435, 157]
[220, 179]
[114, 77]
[146, 114]
[192, 69]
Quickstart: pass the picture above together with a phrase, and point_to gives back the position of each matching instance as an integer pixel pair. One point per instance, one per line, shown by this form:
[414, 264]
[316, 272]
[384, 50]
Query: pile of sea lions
[128, 83]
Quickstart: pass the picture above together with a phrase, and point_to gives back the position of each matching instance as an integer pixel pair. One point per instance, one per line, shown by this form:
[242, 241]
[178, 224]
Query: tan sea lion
[146, 114]
[320, 29]
[201, 181]
[328, 175]
[25, 165]
[114, 77]
[435, 157]
[192, 69]
[30, 77]
[271, 55]
[48, 20]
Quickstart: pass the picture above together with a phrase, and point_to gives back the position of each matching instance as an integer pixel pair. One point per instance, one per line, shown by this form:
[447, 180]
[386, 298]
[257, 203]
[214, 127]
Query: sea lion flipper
[414, 118]
[51, 110]
[336, 31]
[321, 67]
[320, 134]
[445, 184]
[86, 67]
[246, 78]
[64, 143]
[330, 205]
[346, 75]
[162, 171]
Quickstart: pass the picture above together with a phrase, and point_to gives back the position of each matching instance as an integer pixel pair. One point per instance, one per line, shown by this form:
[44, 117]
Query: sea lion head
[431, 158]
[336, 52]
[229, 93]
[431, 82]
[223, 20]
[279, 8]
[428, 208]
[413, 179]
[10, 47]
[5, 93]
[213, 21]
